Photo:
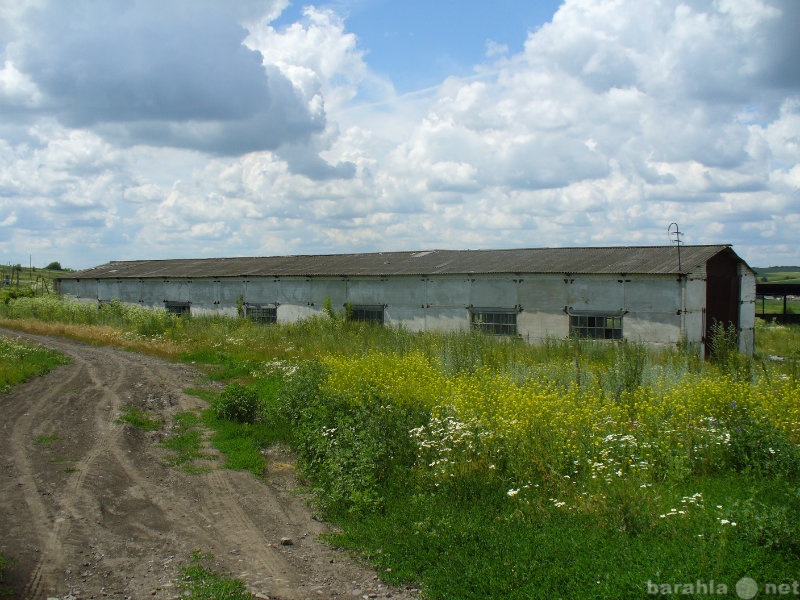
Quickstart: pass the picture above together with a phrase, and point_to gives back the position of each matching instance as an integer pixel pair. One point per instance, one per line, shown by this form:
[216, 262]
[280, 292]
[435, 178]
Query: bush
[236, 403]
[773, 527]
[356, 450]
[758, 446]
[723, 346]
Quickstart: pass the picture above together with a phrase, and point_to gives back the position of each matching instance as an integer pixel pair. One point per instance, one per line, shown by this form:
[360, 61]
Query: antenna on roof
[674, 234]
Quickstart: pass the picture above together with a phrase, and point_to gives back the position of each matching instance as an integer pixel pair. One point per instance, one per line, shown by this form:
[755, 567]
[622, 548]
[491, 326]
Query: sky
[147, 129]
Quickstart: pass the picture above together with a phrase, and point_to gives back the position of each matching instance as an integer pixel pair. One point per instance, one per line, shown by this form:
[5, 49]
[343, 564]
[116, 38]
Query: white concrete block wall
[658, 309]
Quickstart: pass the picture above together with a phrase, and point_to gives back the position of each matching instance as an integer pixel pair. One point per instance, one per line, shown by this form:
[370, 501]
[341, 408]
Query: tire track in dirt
[267, 566]
[75, 504]
[117, 522]
[137, 508]
[48, 528]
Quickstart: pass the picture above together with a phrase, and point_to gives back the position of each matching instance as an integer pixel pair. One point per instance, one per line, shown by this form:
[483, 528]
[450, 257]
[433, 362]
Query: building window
[366, 313]
[494, 321]
[261, 313]
[596, 327]
[178, 308]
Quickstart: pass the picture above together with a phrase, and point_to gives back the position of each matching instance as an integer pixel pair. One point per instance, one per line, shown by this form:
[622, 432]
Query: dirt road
[88, 508]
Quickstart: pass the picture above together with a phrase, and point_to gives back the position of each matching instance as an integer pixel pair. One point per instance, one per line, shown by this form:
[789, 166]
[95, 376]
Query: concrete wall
[657, 309]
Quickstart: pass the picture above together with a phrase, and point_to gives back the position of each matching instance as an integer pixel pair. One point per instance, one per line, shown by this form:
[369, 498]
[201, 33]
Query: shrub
[236, 403]
[756, 445]
[723, 345]
[774, 527]
[355, 449]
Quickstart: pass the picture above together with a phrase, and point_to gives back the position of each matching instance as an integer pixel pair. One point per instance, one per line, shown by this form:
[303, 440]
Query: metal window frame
[266, 314]
[179, 308]
[505, 325]
[596, 324]
[367, 313]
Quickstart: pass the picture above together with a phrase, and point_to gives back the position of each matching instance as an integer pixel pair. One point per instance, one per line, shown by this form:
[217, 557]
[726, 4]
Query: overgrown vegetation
[480, 467]
[19, 361]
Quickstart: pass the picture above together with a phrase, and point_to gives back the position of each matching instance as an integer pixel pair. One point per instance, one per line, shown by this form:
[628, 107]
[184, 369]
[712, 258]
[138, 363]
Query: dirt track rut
[88, 508]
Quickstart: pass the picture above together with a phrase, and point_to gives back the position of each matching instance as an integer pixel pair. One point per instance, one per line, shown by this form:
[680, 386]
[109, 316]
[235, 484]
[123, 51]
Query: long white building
[651, 294]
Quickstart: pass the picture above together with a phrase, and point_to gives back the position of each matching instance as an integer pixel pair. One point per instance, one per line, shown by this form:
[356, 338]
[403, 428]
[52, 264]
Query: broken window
[494, 321]
[366, 313]
[261, 313]
[178, 308]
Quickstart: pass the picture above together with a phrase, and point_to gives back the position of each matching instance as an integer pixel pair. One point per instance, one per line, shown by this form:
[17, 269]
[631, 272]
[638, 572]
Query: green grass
[240, 443]
[778, 274]
[20, 361]
[199, 581]
[140, 419]
[185, 442]
[47, 441]
[484, 548]
[775, 307]
[781, 341]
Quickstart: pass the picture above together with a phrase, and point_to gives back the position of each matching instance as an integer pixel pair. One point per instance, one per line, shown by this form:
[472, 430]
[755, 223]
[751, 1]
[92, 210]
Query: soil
[89, 507]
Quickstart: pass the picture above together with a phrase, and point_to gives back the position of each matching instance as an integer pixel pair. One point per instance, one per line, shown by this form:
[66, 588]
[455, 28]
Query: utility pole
[677, 233]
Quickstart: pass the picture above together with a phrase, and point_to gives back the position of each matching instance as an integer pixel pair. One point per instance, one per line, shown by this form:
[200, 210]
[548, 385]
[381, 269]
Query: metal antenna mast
[677, 233]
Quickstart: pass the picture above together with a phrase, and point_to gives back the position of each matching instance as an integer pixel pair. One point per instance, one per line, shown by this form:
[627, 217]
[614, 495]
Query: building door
[722, 294]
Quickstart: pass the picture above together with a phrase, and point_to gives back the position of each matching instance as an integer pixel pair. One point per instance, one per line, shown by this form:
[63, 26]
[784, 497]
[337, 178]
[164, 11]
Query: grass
[479, 468]
[241, 443]
[185, 441]
[484, 548]
[782, 341]
[140, 419]
[779, 275]
[47, 441]
[775, 307]
[20, 361]
[199, 581]
[5, 563]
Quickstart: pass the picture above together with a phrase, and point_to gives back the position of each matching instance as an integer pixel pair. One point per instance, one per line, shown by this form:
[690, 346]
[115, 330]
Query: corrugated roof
[609, 260]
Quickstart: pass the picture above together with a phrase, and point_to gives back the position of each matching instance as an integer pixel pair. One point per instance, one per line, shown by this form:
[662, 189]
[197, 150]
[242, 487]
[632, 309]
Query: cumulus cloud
[142, 129]
[619, 106]
[162, 74]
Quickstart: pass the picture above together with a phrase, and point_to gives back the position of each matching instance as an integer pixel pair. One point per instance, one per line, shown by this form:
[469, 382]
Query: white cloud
[228, 135]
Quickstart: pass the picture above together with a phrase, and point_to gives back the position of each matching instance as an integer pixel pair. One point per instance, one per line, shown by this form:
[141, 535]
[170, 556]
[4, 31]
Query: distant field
[26, 279]
[778, 274]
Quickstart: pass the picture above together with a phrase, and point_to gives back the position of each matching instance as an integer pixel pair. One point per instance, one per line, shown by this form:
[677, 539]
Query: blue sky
[133, 129]
[418, 43]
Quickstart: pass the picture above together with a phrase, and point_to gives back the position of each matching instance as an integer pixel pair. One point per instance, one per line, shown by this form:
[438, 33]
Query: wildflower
[512, 492]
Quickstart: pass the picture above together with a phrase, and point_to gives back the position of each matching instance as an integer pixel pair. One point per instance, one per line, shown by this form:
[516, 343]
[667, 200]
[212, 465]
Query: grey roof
[608, 260]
